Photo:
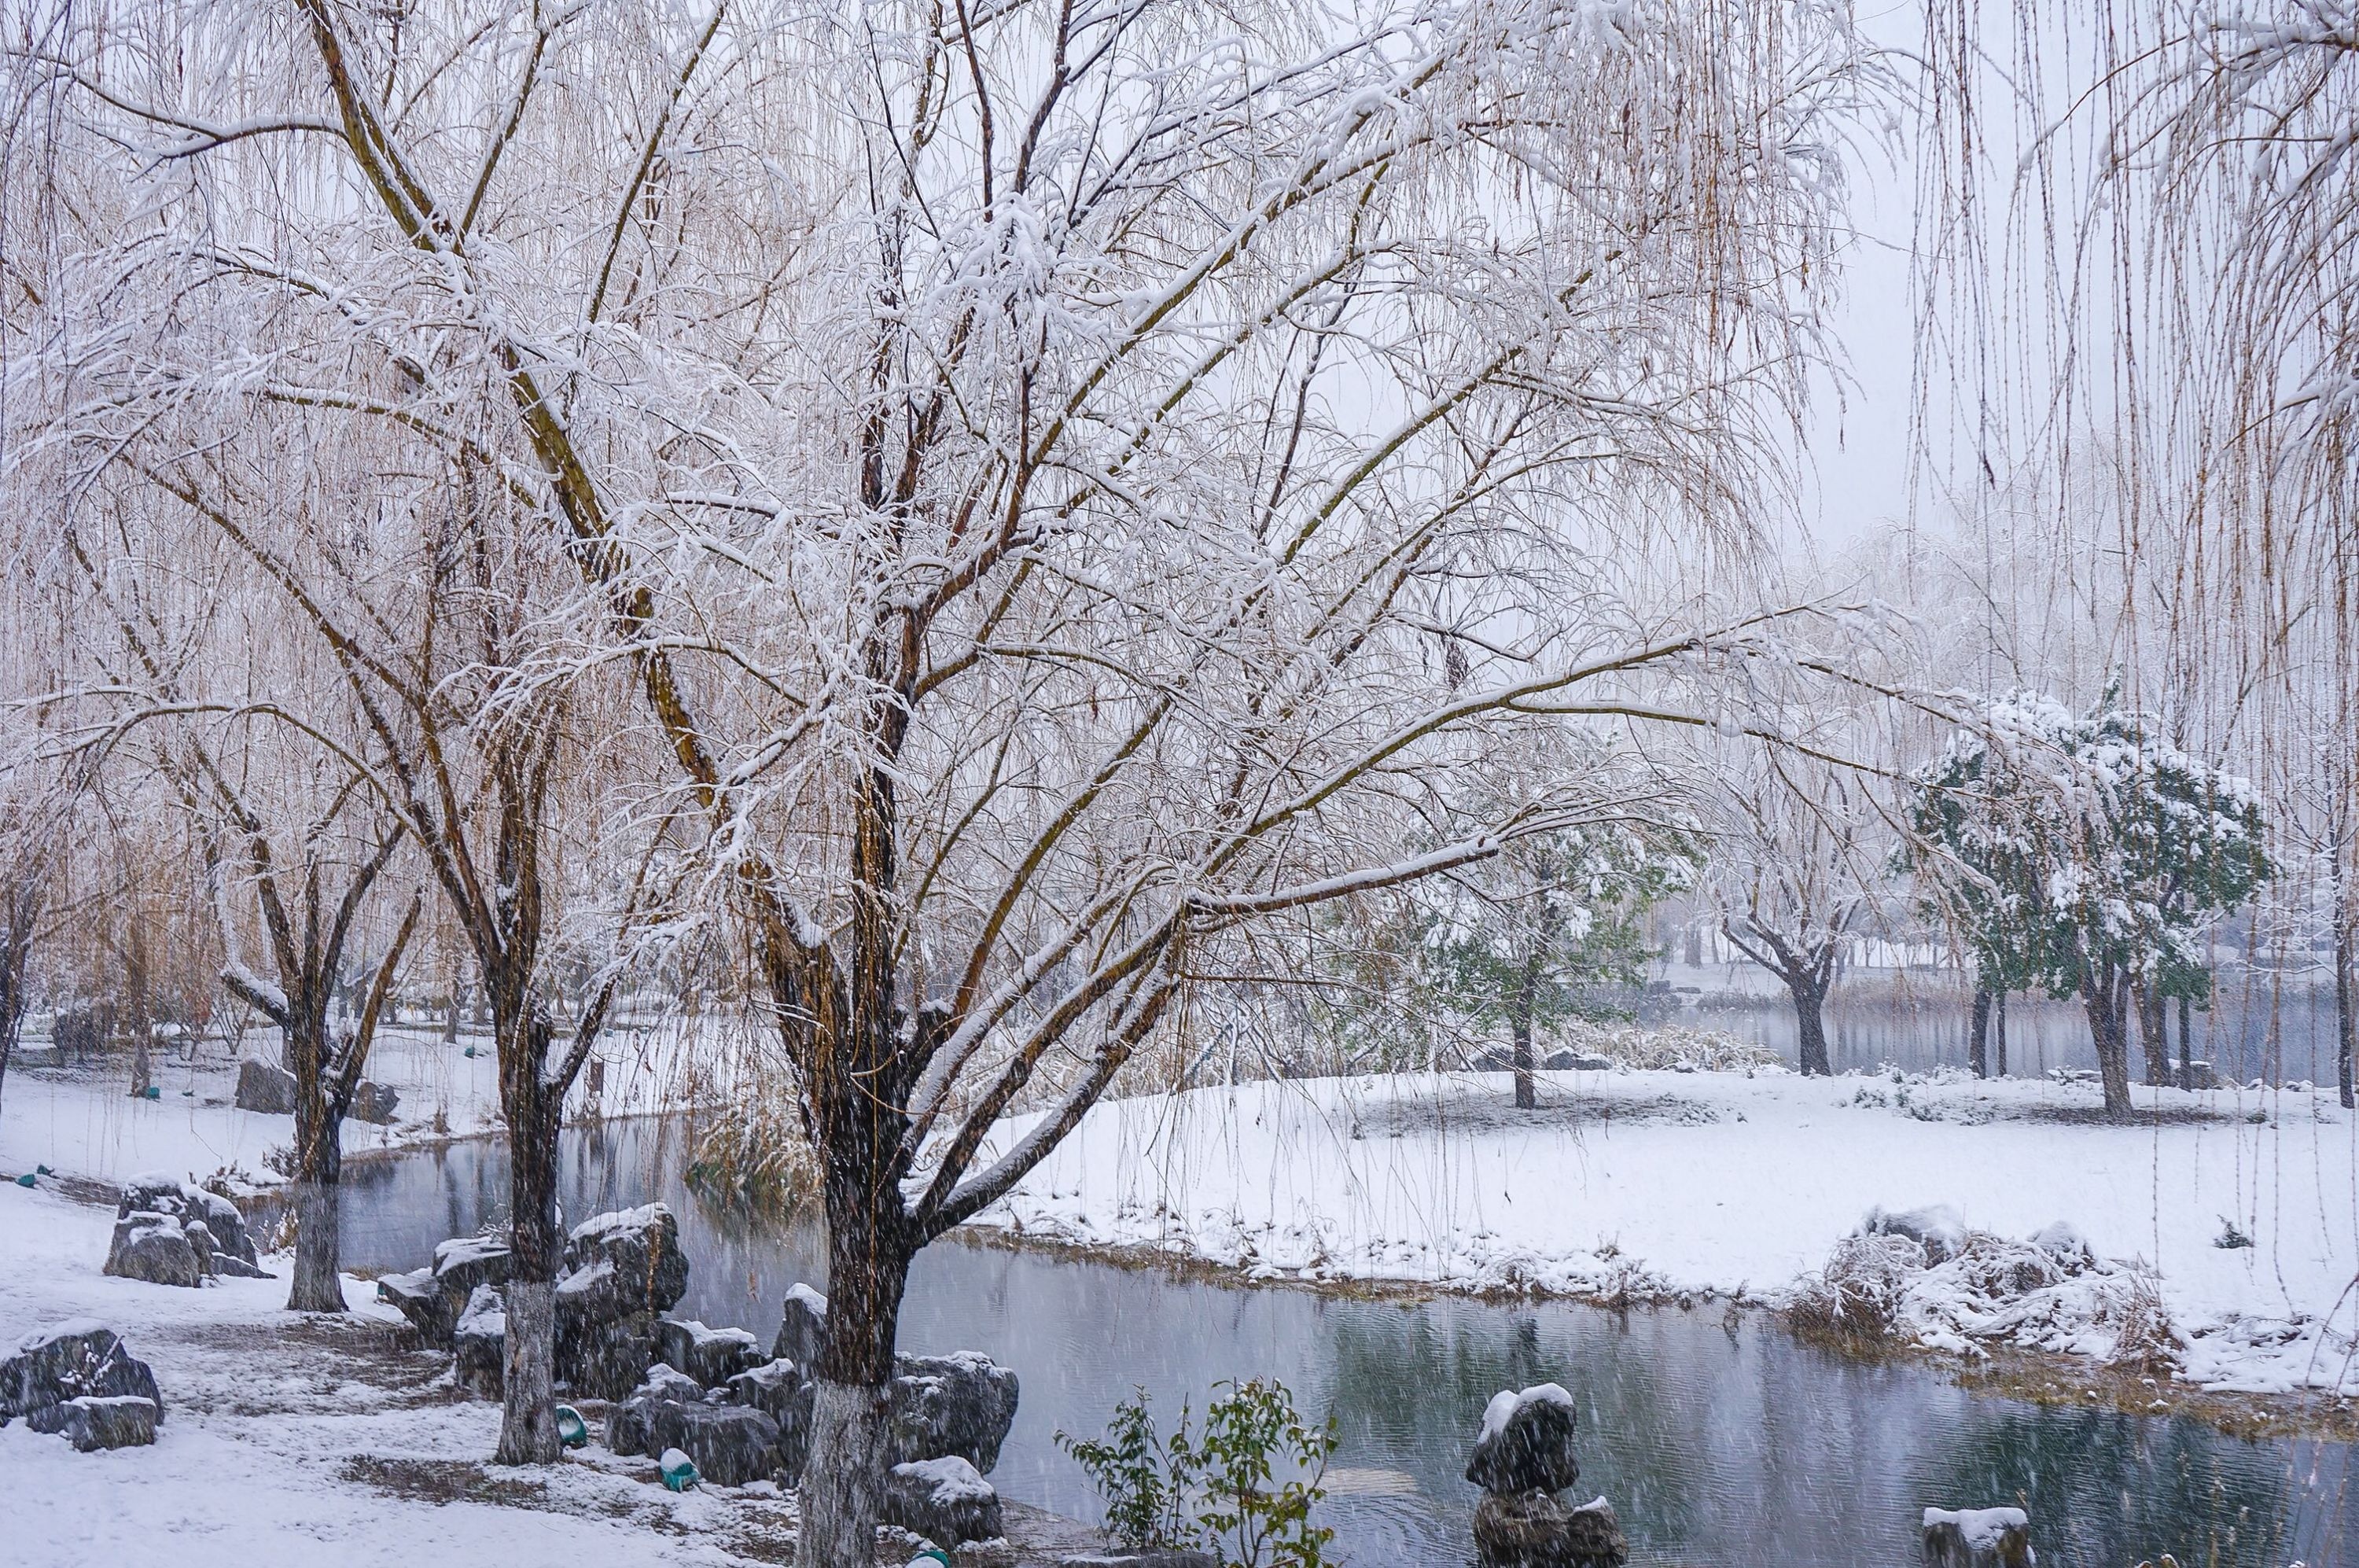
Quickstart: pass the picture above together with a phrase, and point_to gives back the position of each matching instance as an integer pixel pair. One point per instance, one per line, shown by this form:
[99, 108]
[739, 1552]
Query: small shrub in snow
[1858, 1294]
[1220, 1489]
[2145, 1339]
[2230, 1237]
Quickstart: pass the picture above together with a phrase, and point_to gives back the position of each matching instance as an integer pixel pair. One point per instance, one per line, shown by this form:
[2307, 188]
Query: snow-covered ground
[293, 1440]
[86, 1123]
[1642, 1185]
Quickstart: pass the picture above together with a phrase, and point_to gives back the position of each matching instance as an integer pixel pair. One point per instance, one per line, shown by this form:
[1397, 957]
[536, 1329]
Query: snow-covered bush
[1662, 1048]
[1860, 1292]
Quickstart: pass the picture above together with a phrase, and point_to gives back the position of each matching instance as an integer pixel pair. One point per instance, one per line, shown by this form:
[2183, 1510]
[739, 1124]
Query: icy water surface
[1720, 1443]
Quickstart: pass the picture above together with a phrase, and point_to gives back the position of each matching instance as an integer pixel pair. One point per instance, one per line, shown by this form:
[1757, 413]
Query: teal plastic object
[469, 1052]
[26, 1180]
[43, 1171]
[678, 1470]
[930, 1554]
[151, 1092]
[571, 1430]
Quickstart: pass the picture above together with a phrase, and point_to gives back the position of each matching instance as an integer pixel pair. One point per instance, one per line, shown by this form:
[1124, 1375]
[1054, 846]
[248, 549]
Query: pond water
[2252, 1030]
[1720, 1441]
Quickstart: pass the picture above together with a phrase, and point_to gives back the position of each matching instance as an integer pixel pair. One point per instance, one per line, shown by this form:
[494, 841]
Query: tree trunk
[2154, 1032]
[868, 1269]
[2346, 1007]
[318, 1285]
[533, 1110]
[1998, 1036]
[2105, 998]
[2187, 1042]
[1519, 1021]
[1810, 1028]
[1978, 1034]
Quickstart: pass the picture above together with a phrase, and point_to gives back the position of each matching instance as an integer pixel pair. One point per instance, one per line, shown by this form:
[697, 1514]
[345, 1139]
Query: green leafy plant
[1246, 1487]
[1139, 1477]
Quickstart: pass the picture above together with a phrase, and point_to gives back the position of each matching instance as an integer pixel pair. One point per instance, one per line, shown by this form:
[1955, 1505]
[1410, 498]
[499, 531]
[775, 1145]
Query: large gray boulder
[621, 1265]
[627, 1425]
[949, 1405]
[732, 1445]
[68, 1360]
[93, 1422]
[264, 1086]
[802, 1327]
[946, 1500]
[944, 1405]
[375, 1103]
[433, 1297]
[710, 1356]
[607, 1360]
[480, 1340]
[189, 1203]
[1978, 1538]
[1526, 1444]
[1535, 1530]
[154, 1247]
[779, 1390]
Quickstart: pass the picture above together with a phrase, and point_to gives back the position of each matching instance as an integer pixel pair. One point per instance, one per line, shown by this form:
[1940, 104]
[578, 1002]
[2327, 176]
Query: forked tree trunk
[1978, 1034]
[533, 1110]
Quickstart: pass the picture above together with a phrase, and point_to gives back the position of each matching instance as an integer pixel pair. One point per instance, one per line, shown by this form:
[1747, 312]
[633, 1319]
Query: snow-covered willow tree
[1023, 455]
[2088, 854]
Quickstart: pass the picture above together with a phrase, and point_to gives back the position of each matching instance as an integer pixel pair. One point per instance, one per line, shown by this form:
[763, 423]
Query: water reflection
[1719, 1442]
[2287, 1035]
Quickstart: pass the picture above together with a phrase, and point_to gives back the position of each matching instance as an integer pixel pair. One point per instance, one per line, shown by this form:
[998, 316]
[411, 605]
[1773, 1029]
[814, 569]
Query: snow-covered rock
[731, 1444]
[946, 1500]
[779, 1390]
[620, 1264]
[1526, 1444]
[154, 1247]
[961, 1404]
[266, 1087]
[156, 1193]
[802, 1327]
[480, 1340]
[375, 1102]
[69, 1360]
[92, 1421]
[1536, 1530]
[628, 1424]
[433, 1297]
[710, 1356]
[1978, 1538]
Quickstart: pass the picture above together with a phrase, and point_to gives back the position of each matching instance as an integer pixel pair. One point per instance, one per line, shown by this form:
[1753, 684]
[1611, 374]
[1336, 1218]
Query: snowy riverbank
[81, 1120]
[1637, 1186]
